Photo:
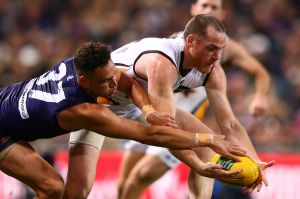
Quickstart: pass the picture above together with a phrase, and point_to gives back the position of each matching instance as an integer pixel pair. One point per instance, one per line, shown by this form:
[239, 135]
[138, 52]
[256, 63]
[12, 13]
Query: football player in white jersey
[162, 66]
[196, 102]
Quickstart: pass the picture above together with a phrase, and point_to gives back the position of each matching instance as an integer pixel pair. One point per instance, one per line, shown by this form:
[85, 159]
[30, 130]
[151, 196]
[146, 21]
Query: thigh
[149, 168]
[83, 160]
[135, 151]
[25, 164]
[84, 151]
[129, 160]
[189, 122]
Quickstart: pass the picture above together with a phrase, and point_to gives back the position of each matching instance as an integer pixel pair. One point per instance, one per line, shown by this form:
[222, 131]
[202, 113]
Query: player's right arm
[162, 75]
[140, 98]
[100, 119]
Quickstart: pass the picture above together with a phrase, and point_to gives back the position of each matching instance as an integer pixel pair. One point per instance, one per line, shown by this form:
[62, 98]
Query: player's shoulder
[65, 63]
[69, 62]
[176, 35]
[169, 48]
[158, 43]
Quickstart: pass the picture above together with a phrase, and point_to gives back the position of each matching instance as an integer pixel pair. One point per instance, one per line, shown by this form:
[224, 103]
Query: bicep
[161, 75]
[161, 78]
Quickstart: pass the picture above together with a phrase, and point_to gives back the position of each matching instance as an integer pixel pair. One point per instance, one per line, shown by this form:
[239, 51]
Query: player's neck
[187, 64]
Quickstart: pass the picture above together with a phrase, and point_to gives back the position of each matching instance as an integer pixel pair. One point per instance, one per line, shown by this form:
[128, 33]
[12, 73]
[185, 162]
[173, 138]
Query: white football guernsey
[127, 56]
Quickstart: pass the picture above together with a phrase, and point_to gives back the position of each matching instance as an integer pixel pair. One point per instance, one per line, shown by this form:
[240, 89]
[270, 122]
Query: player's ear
[191, 40]
[83, 81]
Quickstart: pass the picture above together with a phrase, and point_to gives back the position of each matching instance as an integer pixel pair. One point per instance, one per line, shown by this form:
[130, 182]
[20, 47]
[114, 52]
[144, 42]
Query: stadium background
[35, 34]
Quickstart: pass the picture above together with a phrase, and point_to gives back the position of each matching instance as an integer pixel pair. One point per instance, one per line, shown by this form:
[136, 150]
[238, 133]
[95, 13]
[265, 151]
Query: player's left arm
[228, 123]
[241, 58]
[133, 89]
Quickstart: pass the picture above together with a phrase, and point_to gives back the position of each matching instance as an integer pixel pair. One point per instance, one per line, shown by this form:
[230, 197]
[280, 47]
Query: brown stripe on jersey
[182, 73]
[207, 76]
[120, 64]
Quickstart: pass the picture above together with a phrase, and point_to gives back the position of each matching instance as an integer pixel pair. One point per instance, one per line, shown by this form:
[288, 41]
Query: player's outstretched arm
[160, 91]
[208, 169]
[99, 119]
[229, 125]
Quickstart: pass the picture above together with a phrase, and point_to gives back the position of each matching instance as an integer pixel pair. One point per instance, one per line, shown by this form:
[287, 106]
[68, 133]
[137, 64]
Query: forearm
[161, 95]
[237, 135]
[163, 103]
[133, 90]
[240, 57]
[176, 138]
[262, 83]
[138, 96]
[188, 157]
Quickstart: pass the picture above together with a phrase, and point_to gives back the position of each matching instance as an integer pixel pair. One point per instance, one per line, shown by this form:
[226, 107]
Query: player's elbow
[262, 73]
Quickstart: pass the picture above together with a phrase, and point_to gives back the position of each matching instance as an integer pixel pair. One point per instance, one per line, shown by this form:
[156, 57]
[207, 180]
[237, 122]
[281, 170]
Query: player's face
[207, 50]
[103, 81]
[211, 7]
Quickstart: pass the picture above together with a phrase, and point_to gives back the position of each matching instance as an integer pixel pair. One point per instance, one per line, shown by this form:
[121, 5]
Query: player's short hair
[91, 55]
[198, 25]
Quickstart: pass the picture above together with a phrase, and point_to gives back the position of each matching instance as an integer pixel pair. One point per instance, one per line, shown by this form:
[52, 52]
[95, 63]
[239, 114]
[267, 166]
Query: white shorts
[96, 140]
[193, 101]
[162, 153]
[129, 111]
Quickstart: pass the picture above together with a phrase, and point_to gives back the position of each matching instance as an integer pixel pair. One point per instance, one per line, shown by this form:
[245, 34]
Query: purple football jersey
[28, 109]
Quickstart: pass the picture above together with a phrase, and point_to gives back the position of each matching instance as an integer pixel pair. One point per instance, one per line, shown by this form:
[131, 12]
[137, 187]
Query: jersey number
[48, 79]
[51, 78]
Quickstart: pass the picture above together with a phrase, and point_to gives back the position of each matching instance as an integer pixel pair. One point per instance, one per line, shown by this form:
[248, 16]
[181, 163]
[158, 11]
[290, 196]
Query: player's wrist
[204, 139]
[147, 110]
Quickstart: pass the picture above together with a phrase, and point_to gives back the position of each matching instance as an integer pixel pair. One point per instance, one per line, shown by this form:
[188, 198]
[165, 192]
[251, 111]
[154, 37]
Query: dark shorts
[6, 144]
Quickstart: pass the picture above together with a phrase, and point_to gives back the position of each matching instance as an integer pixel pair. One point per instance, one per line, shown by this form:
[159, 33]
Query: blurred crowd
[36, 34]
